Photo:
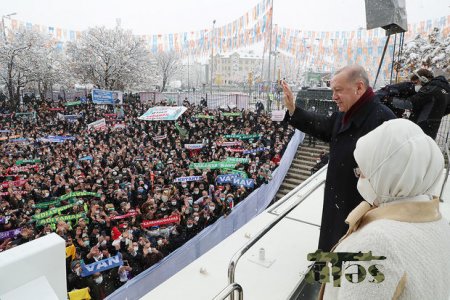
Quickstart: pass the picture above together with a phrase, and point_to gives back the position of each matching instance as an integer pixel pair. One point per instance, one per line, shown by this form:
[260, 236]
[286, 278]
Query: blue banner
[56, 139]
[62, 137]
[227, 178]
[88, 157]
[247, 183]
[101, 265]
[106, 97]
[254, 150]
[19, 140]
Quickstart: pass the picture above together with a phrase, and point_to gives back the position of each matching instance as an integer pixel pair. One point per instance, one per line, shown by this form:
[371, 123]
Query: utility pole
[212, 58]
[189, 85]
[270, 50]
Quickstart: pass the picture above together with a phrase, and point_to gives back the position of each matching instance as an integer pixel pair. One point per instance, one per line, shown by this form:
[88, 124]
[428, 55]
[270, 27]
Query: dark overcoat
[341, 195]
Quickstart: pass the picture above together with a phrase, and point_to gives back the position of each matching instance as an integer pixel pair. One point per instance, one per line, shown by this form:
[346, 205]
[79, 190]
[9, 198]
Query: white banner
[193, 146]
[159, 137]
[188, 178]
[163, 113]
[98, 125]
[278, 115]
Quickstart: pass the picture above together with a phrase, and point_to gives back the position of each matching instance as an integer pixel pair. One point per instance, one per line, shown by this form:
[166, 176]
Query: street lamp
[275, 54]
[8, 16]
[212, 57]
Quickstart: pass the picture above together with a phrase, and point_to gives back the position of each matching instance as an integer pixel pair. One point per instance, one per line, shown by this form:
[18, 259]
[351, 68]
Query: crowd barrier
[215, 100]
[253, 205]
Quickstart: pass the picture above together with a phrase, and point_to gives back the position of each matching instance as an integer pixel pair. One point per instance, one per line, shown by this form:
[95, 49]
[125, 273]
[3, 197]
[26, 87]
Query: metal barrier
[443, 132]
[246, 247]
[229, 290]
[324, 107]
[215, 100]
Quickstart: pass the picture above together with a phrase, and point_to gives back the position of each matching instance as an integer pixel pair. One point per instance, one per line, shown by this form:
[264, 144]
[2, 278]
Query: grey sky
[149, 17]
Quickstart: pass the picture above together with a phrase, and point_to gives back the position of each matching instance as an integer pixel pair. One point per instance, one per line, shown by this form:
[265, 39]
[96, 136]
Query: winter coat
[430, 105]
[414, 240]
[341, 195]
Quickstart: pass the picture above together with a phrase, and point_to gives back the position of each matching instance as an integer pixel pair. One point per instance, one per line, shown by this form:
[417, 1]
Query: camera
[395, 96]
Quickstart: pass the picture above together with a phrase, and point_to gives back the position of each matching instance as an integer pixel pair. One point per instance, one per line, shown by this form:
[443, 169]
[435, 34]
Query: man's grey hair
[355, 73]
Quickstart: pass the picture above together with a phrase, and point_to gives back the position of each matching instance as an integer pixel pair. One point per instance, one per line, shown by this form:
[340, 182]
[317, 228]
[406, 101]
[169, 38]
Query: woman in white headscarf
[399, 172]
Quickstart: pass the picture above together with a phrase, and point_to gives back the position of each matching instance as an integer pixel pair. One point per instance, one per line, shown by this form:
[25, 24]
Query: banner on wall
[107, 97]
[163, 113]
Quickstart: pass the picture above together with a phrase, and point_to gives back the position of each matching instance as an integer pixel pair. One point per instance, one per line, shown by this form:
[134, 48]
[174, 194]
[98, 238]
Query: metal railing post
[229, 291]
[234, 260]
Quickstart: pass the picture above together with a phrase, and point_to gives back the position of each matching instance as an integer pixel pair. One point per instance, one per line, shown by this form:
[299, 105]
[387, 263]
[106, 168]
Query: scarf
[365, 98]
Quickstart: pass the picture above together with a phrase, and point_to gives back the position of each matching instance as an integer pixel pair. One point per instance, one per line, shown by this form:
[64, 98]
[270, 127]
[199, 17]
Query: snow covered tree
[431, 52]
[49, 69]
[19, 58]
[111, 59]
[168, 64]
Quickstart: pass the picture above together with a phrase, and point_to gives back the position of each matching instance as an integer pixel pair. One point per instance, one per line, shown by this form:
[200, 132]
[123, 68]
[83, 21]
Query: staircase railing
[234, 260]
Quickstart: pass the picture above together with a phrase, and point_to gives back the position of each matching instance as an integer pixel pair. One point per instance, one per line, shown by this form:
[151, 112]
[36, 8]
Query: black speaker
[387, 14]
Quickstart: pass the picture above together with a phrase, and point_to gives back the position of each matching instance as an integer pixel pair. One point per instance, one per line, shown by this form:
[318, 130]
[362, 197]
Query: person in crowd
[431, 102]
[400, 171]
[130, 172]
[321, 162]
[359, 113]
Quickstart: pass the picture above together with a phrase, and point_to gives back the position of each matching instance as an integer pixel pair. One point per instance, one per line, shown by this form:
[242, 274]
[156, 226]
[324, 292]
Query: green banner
[204, 117]
[78, 194]
[242, 136]
[231, 171]
[238, 160]
[183, 132]
[212, 165]
[27, 161]
[234, 114]
[65, 197]
[61, 218]
[25, 113]
[72, 103]
[53, 211]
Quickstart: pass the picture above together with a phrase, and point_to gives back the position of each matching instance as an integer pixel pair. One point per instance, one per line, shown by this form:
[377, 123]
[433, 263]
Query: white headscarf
[398, 161]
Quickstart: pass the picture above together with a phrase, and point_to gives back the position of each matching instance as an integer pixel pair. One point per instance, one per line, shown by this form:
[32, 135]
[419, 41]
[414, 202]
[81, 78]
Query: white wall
[43, 257]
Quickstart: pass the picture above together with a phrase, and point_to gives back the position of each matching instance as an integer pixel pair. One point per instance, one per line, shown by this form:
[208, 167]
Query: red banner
[172, 219]
[17, 169]
[234, 150]
[110, 116]
[228, 144]
[15, 193]
[7, 184]
[130, 214]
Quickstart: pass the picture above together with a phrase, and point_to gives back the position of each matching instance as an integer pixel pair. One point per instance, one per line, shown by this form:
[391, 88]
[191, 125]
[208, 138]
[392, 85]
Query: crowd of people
[133, 188]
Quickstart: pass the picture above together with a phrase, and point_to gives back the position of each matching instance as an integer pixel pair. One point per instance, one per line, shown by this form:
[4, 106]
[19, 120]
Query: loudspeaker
[387, 14]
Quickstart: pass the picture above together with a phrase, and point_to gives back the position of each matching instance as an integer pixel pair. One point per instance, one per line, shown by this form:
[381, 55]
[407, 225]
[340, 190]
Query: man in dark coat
[431, 101]
[359, 113]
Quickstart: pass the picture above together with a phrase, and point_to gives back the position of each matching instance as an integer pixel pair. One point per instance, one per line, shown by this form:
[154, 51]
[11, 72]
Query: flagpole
[270, 49]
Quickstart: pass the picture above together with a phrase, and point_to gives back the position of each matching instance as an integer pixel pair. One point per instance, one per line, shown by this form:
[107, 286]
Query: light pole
[275, 54]
[8, 16]
[212, 58]
[189, 84]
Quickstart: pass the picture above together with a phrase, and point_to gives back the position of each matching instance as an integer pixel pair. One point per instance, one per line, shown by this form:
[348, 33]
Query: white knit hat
[398, 161]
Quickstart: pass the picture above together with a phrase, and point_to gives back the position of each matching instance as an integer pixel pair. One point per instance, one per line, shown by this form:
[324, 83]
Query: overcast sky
[151, 16]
